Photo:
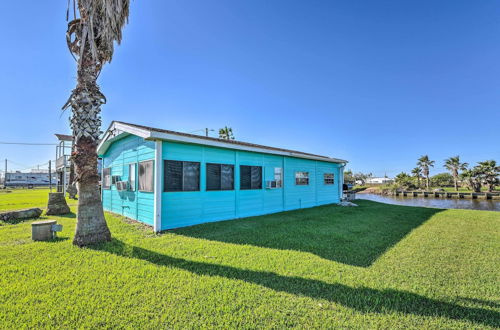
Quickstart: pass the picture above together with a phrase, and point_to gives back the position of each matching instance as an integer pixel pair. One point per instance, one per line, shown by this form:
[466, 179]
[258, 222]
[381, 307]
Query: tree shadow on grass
[57, 240]
[491, 304]
[362, 299]
[355, 236]
[70, 215]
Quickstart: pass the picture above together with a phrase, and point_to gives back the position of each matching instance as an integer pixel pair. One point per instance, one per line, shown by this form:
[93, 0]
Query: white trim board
[158, 185]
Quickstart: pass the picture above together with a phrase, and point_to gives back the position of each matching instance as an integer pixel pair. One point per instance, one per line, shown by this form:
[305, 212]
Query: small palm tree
[472, 179]
[425, 164]
[454, 165]
[417, 173]
[226, 133]
[91, 38]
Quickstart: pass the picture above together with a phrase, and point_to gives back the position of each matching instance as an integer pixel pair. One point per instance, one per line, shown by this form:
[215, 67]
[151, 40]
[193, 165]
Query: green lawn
[16, 199]
[374, 266]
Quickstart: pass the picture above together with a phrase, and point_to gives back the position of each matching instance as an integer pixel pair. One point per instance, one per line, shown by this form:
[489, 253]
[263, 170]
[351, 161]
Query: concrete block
[42, 230]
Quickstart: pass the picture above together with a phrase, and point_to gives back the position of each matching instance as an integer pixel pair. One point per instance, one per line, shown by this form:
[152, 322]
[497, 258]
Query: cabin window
[182, 176]
[302, 178]
[278, 176]
[115, 179]
[220, 177]
[146, 176]
[131, 177]
[250, 177]
[328, 178]
[106, 178]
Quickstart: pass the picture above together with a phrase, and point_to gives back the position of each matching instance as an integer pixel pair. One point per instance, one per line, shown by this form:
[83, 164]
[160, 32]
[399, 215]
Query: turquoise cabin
[169, 179]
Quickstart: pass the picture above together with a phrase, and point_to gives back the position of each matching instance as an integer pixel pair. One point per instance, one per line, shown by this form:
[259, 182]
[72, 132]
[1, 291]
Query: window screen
[191, 180]
[250, 177]
[146, 177]
[220, 177]
[182, 176]
[106, 180]
[227, 177]
[131, 177]
[302, 178]
[328, 178]
[278, 176]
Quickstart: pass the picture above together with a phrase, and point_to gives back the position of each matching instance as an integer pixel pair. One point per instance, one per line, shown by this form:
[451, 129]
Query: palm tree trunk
[456, 183]
[91, 226]
[86, 100]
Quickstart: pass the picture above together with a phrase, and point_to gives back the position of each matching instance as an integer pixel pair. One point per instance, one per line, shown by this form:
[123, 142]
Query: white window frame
[108, 187]
[278, 176]
[325, 178]
[299, 175]
[132, 185]
[153, 170]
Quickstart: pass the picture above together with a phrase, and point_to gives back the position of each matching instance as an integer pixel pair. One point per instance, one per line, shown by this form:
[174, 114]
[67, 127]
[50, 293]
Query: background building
[379, 180]
[29, 179]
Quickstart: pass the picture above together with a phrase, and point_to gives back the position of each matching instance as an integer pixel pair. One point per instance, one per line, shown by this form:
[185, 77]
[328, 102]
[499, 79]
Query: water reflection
[443, 203]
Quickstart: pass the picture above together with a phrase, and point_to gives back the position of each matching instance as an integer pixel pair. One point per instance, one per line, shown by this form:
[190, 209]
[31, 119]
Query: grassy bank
[374, 266]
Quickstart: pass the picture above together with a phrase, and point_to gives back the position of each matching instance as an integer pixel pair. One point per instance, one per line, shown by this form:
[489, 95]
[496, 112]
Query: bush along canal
[442, 203]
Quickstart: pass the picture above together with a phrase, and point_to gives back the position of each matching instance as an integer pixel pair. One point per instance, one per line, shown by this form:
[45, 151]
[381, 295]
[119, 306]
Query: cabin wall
[132, 204]
[187, 208]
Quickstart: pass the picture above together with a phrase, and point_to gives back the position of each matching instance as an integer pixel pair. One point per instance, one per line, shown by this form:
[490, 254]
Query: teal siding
[187, 208]
[132, 204]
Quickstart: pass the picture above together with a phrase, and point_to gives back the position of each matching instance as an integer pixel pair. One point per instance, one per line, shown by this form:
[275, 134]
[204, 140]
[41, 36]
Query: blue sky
[379, 83]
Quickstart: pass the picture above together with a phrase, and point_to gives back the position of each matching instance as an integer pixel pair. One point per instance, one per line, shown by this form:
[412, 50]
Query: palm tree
[91, 38]
[454, 165]
[471, 178]
[226, 133]
[488, 172]
[417, 173]
[425, 164]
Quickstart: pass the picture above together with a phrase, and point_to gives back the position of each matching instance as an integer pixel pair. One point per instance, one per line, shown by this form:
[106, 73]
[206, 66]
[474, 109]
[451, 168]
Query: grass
[374, 266]
[16, 199]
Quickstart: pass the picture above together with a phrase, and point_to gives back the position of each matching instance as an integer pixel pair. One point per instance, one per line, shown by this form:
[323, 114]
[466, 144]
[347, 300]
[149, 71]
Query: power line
[25, 167]
[29, 143]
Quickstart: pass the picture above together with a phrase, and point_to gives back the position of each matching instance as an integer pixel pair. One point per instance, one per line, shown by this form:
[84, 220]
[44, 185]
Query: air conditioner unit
[122, 185]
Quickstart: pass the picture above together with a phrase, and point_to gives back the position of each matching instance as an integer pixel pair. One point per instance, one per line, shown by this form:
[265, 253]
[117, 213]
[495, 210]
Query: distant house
[169, 179]
[29, 179]
[379, 180]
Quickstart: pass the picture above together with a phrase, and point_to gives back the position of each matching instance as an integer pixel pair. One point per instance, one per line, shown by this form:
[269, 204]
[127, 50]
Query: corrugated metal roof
[240, 143]
[64, 137]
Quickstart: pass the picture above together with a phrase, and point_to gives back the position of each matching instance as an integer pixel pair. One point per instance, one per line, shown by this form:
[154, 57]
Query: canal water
[442, 203]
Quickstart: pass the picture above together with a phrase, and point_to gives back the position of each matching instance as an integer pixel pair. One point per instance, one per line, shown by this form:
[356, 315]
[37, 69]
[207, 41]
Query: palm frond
[98, 27]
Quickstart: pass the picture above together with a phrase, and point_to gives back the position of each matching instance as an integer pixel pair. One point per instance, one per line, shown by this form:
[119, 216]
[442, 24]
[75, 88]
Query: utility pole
[50, 175]
[64, 177]
[5, 174]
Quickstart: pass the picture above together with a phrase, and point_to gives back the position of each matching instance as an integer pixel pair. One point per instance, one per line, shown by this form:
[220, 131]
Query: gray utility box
[44, 230]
